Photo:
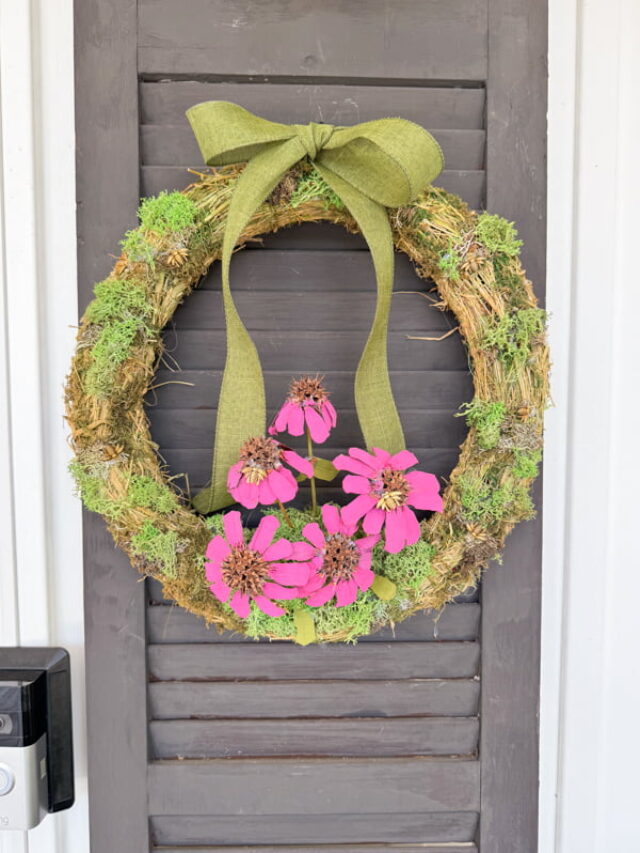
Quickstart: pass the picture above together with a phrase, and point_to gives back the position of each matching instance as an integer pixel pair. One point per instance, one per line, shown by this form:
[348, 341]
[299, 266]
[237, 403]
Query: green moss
[109, 351]
[156, 547]
[91, 487]
[526, 464]
[449, 263]
[486, 417]
[167, 213]
[485, 500]
[513, 334]
[115, 300]
[409, 569]
[137, 248]
[148, 493]
[498, 235]
[313, 187]
[507, 274]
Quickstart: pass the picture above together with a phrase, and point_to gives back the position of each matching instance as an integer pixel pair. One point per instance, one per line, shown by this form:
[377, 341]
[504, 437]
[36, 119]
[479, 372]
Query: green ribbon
[371, 166]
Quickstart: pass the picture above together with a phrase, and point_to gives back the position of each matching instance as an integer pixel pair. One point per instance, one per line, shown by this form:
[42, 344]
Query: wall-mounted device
[36, 746]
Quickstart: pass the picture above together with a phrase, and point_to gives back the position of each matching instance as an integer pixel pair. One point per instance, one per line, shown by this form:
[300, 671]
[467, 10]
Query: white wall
[590, 679]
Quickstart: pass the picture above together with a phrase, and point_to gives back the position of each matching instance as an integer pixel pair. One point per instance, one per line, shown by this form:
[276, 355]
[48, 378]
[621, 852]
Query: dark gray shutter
[219, 743]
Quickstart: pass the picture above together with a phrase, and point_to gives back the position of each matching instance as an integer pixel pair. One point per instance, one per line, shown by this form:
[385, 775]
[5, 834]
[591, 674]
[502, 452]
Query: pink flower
[341, 565]
[385, 493]
[239, 573]
[307, 405]
[259, 477]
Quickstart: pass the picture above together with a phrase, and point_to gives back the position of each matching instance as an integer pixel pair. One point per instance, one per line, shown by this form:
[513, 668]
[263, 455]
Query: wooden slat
[321, 787]
[175, 145]
[313, 352]
[355, 39]
[316, 310]
[182, 700]
[166, 101]
[467, 184]
[199, 389]
[286, 661]
[166, 624]
[314, 738]
[184, 429]
[298, 830]
[340, 848]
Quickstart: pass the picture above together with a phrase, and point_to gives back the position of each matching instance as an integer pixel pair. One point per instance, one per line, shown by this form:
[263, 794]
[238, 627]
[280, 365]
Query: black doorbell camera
[36, 746]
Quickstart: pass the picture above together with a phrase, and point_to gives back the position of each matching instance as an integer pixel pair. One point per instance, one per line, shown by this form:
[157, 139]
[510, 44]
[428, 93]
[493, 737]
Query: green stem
[287, 518]
[312, 481]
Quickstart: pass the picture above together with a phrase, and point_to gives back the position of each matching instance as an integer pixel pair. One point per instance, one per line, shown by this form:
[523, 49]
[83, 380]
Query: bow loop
[314, 136]
[371, 166]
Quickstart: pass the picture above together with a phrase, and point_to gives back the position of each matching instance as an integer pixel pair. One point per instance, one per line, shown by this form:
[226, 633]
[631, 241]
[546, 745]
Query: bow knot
[371, 166]
[314, 136]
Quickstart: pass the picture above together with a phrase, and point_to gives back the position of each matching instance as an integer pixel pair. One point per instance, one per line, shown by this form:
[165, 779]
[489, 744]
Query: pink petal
[366, 543]
[263, 534]
[232, 522]
[298, 462]
[346, 529]
[331, 518]
[217, 550]
[290, 574]
[425, 491]
[322, 595]
[282, 417]
[240, 604]
[268, 607]
[346, 593]
[403, 459]
[373, 521]
[412, 525]
[266, 493]
[395, 530]
[295, 422]
[280, 550]
[313, 533]
[211, 572]
[346, 463]
[302, 551]
[382, 456]
[283, 484]
[246, 494]
[220, 590]
[353, 512]
[234, 475]
[329, 410]
[368, 458]
[356, 485]
[364, 577]
[313, 584]
[281, 593]
[317, 427]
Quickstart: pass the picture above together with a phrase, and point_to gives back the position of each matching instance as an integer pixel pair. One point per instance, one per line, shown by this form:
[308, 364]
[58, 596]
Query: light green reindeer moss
[409, 570]
[167, 213]
[498, 235]
[486, 417]
[91, 487]
[116, 299]
[514, 334]
[137, 248]
[159, 549]
[109, 351]
[148, 493]
[312, 187]
[486, 501]
[449, 263]
[526, 464]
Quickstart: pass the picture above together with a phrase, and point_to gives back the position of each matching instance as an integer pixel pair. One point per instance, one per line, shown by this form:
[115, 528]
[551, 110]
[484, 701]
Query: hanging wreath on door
[330, 573]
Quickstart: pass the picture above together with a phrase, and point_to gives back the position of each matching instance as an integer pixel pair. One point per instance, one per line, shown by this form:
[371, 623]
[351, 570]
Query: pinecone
[176, 257]
[121, 265]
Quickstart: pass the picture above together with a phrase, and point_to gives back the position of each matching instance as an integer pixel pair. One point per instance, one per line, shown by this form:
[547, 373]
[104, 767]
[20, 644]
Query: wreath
[331, 573]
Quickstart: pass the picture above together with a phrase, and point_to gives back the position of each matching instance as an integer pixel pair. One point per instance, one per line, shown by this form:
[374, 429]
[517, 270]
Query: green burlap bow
[371, 166]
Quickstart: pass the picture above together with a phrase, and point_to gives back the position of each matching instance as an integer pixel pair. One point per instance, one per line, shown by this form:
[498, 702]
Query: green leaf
[305, 628]
[324, 470]
[383, 588]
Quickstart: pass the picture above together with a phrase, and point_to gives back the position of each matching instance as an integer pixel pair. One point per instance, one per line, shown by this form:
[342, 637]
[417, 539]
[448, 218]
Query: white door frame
[590, 680]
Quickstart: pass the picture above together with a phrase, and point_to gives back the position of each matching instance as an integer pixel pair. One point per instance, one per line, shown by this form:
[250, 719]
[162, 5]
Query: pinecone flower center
[245, 570]
[308, 389]
[341, 558]
[393, 490]
[259, 456]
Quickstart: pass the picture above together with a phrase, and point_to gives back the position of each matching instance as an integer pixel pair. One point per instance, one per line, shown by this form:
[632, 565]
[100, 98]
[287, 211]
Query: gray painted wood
[340, 39]
[107, 194]
[280, 661]
[300, 699]
[468, 184]
[456, 622]
[341, 848]
[516, 163]
[298, 830]
[312, 738]
[321, 787]
[450, 107]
